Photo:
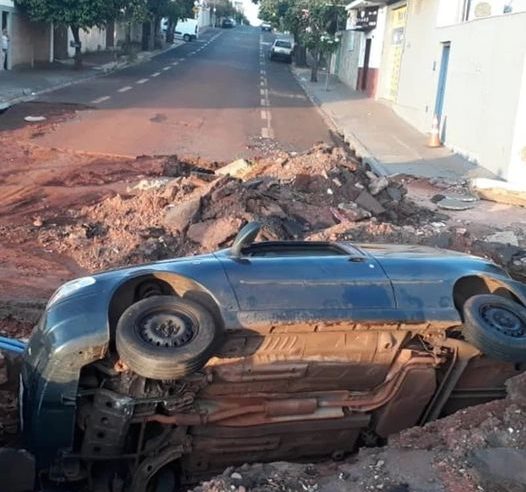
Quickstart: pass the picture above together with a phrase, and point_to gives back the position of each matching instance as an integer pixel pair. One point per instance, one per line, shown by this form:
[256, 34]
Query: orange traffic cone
[434, 138]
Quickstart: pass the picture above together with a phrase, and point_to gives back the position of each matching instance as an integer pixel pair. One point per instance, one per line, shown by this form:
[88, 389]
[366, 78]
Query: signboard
[367, 18]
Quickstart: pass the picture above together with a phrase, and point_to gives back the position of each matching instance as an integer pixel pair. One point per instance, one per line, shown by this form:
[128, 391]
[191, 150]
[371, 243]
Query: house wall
[376, 37]
[92, 40]
[30, 42]
[484, 84]
[348, 57]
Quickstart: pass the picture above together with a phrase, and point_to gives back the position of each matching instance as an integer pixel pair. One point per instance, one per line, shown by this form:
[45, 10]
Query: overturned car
[148, 378]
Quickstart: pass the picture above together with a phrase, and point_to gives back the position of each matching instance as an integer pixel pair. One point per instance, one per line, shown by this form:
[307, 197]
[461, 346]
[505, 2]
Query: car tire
[496, 326]
[166, 337]
[187, 38]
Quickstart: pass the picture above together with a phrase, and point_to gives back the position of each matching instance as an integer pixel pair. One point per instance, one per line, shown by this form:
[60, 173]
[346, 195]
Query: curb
[361, 151]
[102, 70]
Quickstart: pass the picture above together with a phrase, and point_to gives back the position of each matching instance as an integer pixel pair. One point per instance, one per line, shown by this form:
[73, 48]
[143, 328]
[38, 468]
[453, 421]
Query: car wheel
[187, 38]
[165, 337]
[496, 326]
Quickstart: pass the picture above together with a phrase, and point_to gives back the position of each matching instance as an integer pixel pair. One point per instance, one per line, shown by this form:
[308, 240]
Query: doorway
[442, 80]
[366, 59]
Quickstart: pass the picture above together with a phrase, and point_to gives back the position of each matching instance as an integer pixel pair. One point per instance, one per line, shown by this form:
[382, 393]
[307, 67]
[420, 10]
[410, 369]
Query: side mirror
[245, 237]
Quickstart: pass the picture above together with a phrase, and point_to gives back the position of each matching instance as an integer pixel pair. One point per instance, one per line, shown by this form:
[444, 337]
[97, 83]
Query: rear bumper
[280, 56]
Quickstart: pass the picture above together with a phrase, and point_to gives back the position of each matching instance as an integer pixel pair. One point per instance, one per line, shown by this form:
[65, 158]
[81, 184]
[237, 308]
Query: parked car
[187, 30]
[266, 26]
[265, 351]
[227, 23]
[281, 49]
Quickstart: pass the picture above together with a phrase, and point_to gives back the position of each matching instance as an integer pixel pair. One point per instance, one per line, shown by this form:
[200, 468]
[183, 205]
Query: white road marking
[175, 64]
[100, 99]
[142, 81]
[264, 102]
[165, 69]
[263, 114]
[125, 89]
[263, 83]
[156, 74]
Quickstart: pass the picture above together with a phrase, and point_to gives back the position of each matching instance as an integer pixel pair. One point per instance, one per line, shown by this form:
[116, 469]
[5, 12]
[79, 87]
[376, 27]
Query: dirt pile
[295, 196]
[474, 450]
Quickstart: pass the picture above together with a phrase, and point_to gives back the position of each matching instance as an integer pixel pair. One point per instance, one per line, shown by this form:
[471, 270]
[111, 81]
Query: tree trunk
[157, 41]
[75, 30]
[300, 55]
[315, 65]
[170, 32]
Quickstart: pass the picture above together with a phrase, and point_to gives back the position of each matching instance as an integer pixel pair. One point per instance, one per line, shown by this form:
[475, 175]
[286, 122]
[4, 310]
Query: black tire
[165, 337]
[187, 38]
[496, 326]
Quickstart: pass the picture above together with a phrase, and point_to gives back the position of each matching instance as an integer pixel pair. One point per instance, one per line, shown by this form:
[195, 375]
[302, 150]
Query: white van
[187, 29]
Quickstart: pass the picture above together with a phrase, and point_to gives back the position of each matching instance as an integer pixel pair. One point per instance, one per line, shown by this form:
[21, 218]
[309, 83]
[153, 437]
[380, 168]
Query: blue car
[156, 376]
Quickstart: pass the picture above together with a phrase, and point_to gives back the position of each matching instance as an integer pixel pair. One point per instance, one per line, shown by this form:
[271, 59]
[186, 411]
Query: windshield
[283, 44]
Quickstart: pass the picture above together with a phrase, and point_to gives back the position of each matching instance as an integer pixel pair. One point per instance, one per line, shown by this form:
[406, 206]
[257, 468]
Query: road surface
[212, 98]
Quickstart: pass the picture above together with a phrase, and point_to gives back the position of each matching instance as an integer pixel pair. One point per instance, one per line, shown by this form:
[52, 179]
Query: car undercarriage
[295, 392]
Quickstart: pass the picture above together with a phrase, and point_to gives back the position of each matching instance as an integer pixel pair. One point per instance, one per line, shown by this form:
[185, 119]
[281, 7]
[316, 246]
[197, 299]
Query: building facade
[463, 61]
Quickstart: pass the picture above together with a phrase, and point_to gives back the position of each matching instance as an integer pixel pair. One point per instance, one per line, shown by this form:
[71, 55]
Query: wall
[120, 33]
[348, 57]
[92, 40]
[419, 65]
[376, 36]
[484, 86]
[30, 41]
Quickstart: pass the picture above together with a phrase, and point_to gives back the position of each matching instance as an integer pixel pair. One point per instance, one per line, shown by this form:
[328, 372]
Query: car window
[271, 249]
[283, 44]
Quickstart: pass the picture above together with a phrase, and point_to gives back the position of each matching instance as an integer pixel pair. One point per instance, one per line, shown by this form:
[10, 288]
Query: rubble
[499, 191]
[236, 169]
[198, 211]
[504, 237]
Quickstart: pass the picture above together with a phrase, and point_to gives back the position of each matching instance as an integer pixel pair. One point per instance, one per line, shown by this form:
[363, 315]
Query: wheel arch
[160, 283]
[471, 285]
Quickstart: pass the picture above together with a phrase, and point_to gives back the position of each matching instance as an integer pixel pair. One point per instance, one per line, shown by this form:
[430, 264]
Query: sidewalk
[23, 84]
[381, 138]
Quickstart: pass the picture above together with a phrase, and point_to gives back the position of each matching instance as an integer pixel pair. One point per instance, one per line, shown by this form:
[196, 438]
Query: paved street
[213, 98]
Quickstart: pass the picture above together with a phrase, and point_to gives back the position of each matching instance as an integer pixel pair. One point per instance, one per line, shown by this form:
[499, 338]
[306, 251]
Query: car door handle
[357, 259]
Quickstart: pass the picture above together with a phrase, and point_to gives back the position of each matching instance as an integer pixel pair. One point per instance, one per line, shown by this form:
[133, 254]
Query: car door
[309, 281]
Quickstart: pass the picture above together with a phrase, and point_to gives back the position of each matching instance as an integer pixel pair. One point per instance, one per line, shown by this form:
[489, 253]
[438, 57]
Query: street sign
[366, 18]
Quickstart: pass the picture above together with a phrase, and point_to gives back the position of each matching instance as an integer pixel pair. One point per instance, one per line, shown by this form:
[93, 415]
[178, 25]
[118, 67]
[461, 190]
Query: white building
[464, 61]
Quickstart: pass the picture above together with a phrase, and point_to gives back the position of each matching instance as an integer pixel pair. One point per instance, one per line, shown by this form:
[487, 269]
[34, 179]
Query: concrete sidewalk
[26, 83]
[381, 138]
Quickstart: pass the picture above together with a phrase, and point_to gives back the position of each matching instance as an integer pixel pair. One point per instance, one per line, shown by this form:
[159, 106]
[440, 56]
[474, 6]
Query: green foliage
[313, 22]
[80, 13]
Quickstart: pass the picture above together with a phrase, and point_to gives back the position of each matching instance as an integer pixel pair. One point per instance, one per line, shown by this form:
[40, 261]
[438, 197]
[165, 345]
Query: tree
[75, 14]
[174, 11]
[313, 23]
[320, 21]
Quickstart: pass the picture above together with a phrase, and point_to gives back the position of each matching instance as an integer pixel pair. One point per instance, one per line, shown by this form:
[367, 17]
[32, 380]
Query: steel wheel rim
[503, 320]
[166, 329]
